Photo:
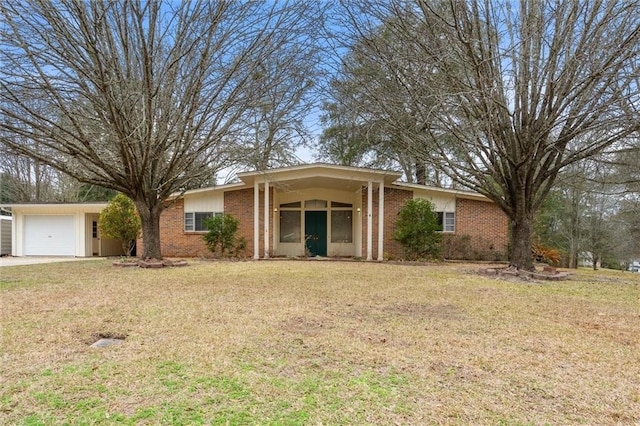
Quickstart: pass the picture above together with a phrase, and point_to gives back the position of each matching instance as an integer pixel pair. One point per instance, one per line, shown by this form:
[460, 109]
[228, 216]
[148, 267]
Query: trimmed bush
[120, 221]
[417, 230]
[222, 236]
[465, 247]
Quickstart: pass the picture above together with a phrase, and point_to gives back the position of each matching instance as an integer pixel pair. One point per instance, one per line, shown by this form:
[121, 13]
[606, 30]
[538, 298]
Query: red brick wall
[174, 242]
[240, 205]
[394, 199]
[485, 224]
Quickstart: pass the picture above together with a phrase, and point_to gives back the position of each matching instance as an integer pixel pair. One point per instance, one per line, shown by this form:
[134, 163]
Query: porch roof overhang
[319, 175]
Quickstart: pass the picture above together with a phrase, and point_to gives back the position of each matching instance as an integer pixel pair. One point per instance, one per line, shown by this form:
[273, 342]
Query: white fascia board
[56, 208]
[216, 188]
[458, 193]
[320, 170]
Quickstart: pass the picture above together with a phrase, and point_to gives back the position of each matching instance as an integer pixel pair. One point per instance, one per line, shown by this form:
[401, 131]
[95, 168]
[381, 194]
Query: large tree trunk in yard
[520, 256]
[421, 173]
[573, 255]
[152, 92]
[150, 218]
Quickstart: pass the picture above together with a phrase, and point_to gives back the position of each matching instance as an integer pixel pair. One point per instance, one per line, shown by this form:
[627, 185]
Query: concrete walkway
[34, 260]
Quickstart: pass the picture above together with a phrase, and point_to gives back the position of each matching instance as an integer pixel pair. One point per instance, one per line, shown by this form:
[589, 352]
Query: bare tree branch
[146, 98]
[509, 93]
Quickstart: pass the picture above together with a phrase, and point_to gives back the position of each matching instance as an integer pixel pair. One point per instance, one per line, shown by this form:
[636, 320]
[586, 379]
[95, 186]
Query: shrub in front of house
[222, 235]
[457, 247]
[417, 230]
[120, 221]
[466, 247]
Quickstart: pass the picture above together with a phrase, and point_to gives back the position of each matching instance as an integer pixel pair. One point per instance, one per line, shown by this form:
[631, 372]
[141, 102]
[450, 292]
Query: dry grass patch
[316, 343]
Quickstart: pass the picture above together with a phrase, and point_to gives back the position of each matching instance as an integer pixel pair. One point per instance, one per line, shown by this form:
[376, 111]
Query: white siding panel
[442, 202]
[49, 235]
[210, 202]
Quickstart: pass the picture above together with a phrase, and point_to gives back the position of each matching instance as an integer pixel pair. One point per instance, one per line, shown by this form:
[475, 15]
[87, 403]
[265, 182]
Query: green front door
[315, 225]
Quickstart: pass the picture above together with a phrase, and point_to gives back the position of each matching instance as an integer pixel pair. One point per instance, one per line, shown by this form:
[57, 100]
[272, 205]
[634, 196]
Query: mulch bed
[546, 274]
[150, 263]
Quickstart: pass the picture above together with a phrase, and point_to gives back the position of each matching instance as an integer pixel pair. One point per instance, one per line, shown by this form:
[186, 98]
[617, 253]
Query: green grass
[295, 343]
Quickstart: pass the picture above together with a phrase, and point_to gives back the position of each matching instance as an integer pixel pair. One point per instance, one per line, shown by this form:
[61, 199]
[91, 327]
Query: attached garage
[59, 229]
[49, 235]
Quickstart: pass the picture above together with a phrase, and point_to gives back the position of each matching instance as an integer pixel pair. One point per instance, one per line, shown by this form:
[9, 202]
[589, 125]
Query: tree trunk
[421, 173]
[127, 247]
[574, 260]
[150, 218]
[573, 254]
[520, 256]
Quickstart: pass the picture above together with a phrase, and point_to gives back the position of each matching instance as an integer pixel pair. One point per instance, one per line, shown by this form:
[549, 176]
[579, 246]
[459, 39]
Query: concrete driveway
[34, 260]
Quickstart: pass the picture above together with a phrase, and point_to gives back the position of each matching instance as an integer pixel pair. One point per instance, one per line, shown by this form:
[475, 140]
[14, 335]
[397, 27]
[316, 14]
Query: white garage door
[49, 236]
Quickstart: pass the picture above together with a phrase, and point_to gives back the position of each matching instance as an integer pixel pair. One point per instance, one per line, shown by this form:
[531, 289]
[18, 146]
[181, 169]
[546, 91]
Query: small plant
[240, 246]
[120, 221]
[457, 247]
[545, 254]
[388, 256]
[307, 251]
[417, 230]
[222, 235]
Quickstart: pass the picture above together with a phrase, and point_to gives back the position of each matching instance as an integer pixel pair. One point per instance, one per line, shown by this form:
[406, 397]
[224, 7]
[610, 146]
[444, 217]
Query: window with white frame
[341, 226]
[341, 222]
[447, 221]
[194, 221]
[290, 221]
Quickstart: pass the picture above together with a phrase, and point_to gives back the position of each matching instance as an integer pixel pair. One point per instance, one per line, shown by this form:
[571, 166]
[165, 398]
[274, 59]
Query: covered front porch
[319, 210]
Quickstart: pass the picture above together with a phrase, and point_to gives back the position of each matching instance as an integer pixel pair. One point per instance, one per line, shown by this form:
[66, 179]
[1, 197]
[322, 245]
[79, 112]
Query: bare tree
[628, 243]
[27, 180]
[277, 125]
[522, 89]
[369, 115]
[624, 159]
[145, 98]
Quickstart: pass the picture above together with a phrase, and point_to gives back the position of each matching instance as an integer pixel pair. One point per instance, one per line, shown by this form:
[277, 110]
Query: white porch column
[381, 220]
[15, 231]
[256, 220]
[370, 221]
[266, 219]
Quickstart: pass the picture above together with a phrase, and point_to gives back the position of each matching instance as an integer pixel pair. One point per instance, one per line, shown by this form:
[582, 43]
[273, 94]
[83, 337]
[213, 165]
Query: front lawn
[319, 342]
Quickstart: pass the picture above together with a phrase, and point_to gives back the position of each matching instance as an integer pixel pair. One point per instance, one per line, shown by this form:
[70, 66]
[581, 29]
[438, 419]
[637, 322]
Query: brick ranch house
[327, 210]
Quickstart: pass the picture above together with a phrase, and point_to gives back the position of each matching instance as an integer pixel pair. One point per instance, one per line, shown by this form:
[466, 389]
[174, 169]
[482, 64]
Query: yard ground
[286, 342]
